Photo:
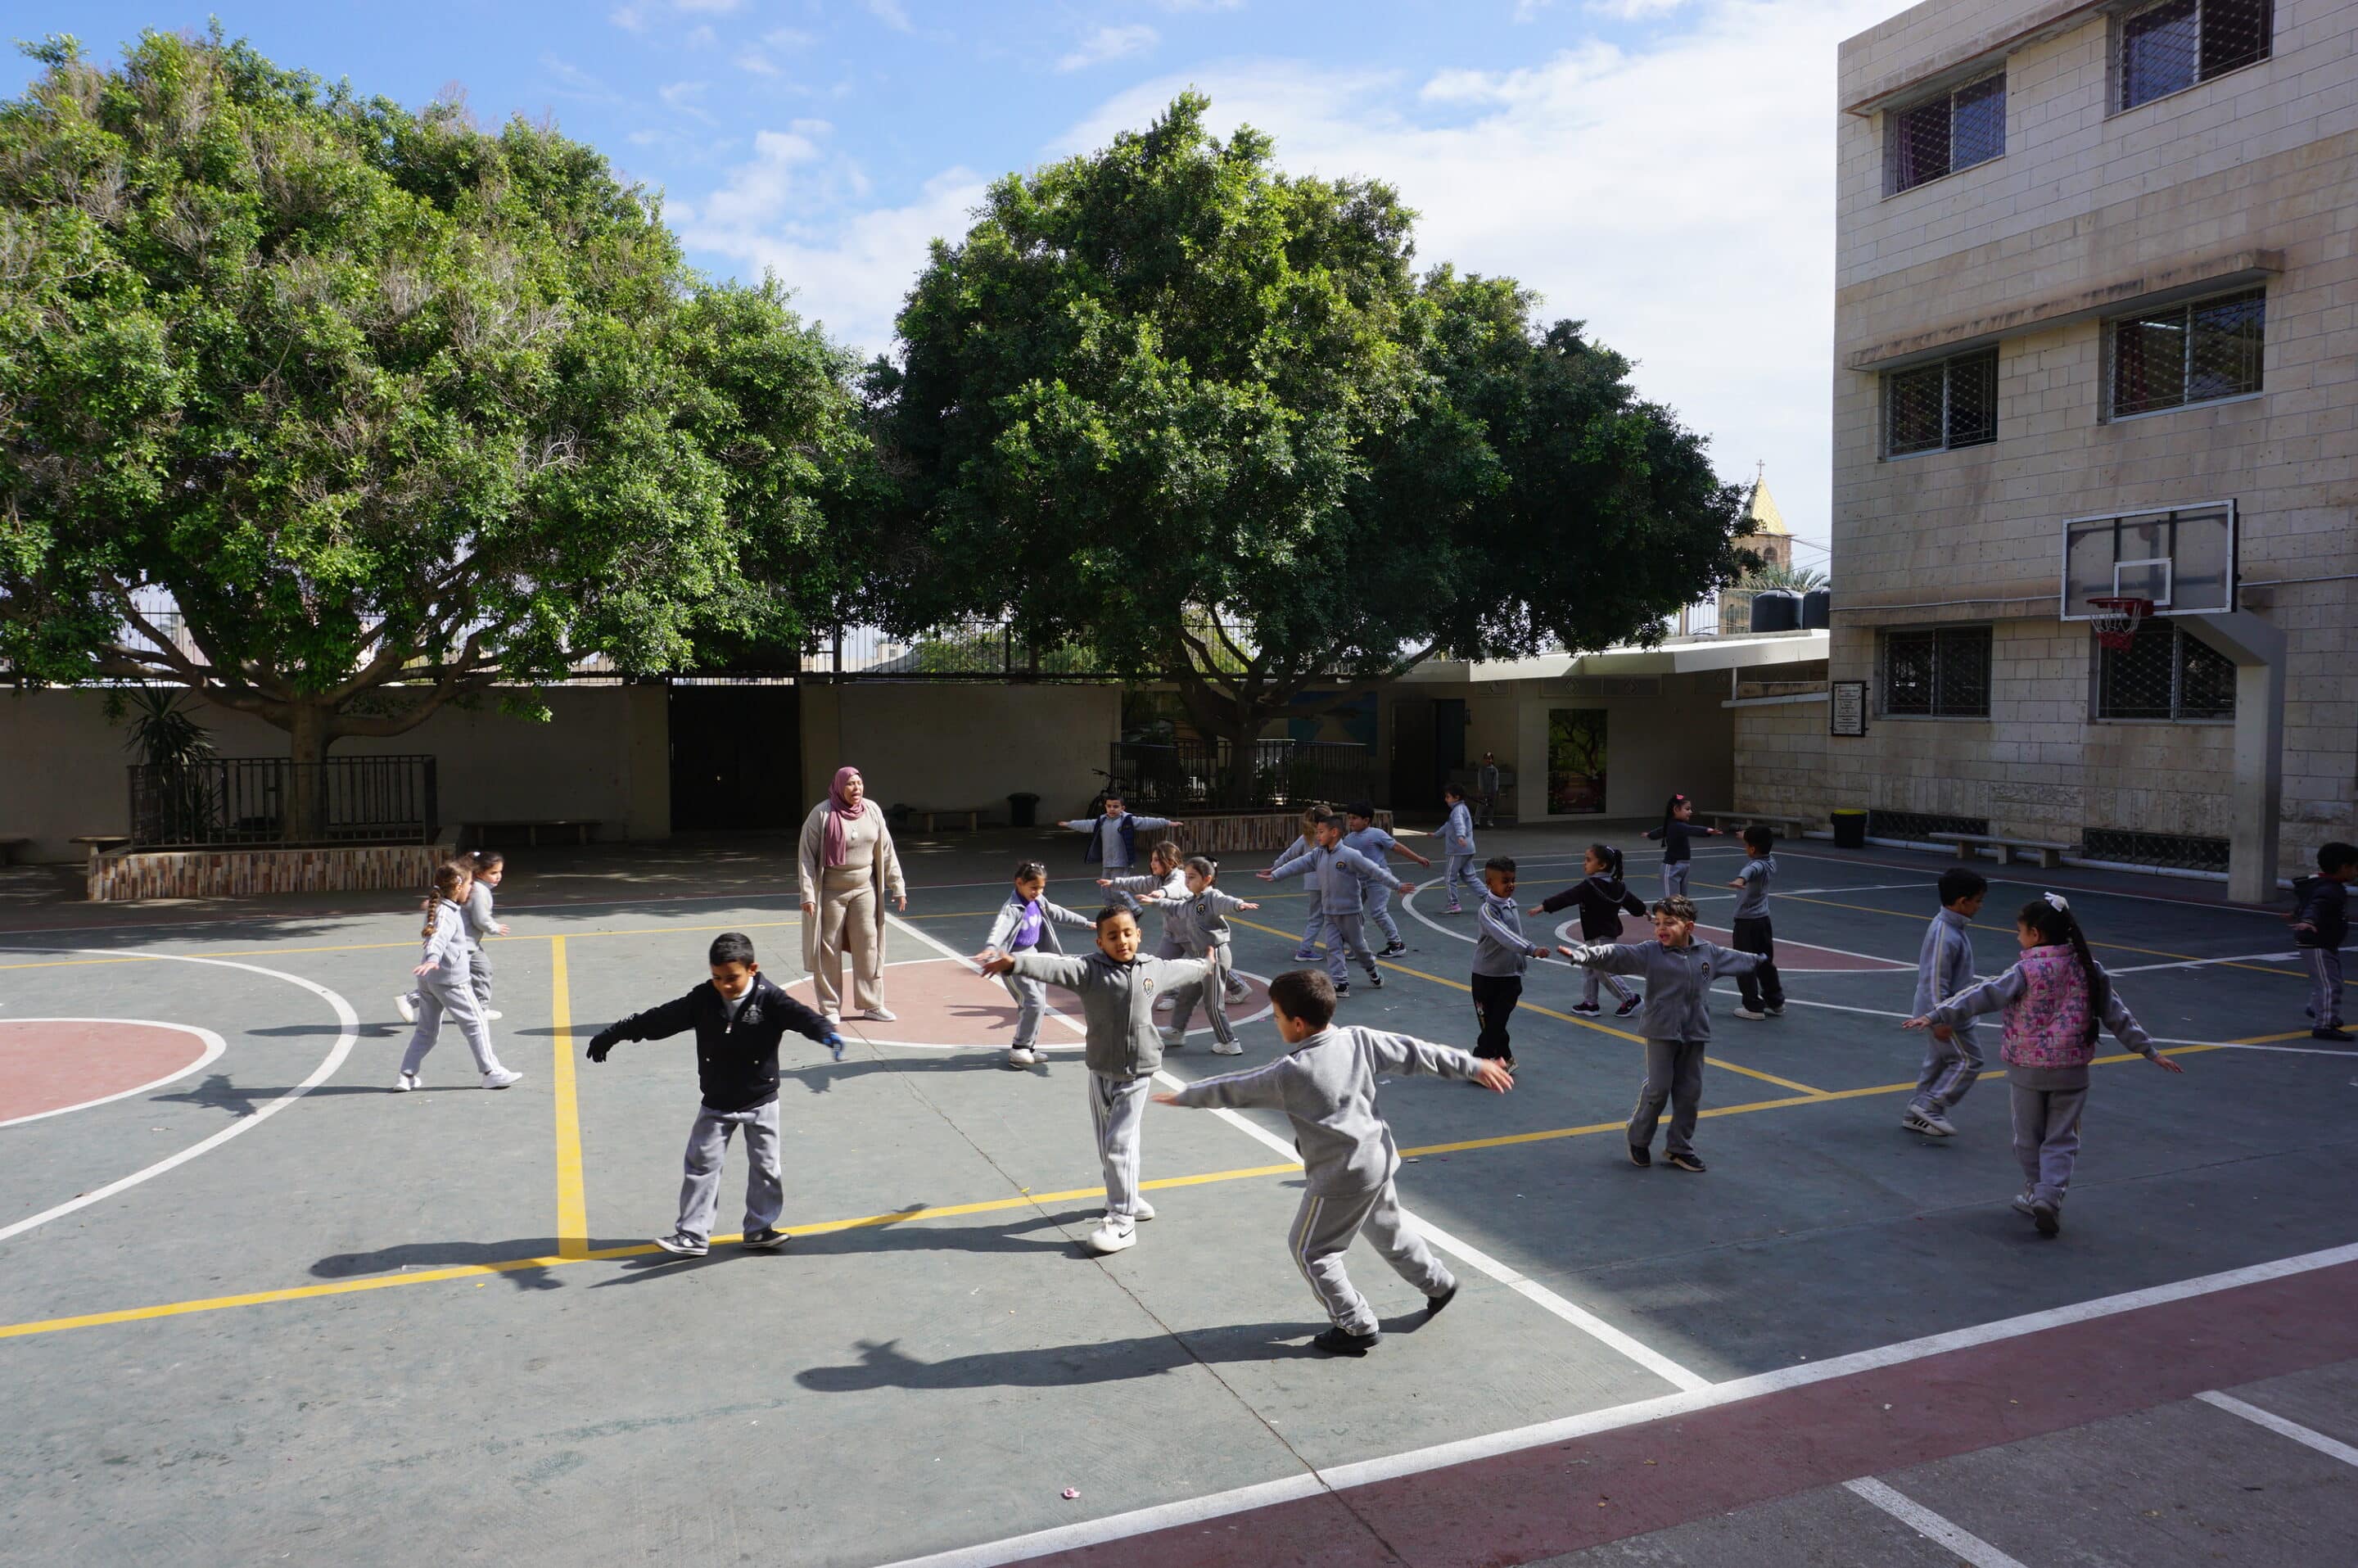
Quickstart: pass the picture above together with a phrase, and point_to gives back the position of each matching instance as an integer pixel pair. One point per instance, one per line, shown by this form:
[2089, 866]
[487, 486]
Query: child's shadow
[528, 1275]
[820, 1077]
[885, 1366]
[895, 1236]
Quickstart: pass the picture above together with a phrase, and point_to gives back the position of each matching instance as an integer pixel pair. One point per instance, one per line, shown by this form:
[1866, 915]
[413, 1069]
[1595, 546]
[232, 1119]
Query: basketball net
[2116, 620]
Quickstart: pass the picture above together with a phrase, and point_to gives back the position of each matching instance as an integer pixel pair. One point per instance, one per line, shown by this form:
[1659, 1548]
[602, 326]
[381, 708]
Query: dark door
[736, 757]
[1415, 788]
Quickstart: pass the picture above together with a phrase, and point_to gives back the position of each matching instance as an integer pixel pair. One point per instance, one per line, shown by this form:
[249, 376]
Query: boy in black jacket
[2320, 923]
[739, 1020]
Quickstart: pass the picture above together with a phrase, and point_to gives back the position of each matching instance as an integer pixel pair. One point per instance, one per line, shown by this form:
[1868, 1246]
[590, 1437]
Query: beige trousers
[847, 922]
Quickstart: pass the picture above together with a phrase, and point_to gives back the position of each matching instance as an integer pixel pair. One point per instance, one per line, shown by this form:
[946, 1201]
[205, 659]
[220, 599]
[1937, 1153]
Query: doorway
[736, 757]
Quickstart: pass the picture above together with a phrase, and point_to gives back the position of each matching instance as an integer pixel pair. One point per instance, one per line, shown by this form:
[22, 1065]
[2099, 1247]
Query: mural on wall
[1575, 762]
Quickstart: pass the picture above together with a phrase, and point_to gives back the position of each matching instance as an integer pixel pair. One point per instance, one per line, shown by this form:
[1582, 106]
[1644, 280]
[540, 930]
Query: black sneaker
[1626, 1008]
[1587, 1008]
[1342, 990]
[1393, 949]
[1685, 1160]
[1375, 981]
[2330, 1032]
[1336, 1342]
[1433, 1305]
[1641, 1156]
[769, 1239]
[2045, 1214]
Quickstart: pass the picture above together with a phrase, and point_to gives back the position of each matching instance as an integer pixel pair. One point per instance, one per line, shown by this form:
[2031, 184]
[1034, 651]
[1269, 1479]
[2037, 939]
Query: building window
[1936, 407]
[2168, 47]
[2188, 353]
[1940, 673]
[1943, 134]
[2165, 674]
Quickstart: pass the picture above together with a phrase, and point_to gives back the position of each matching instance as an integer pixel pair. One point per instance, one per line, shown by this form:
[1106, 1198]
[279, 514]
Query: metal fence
[975, 650]
[1189, 774]
[226, 802]
[2182, 852]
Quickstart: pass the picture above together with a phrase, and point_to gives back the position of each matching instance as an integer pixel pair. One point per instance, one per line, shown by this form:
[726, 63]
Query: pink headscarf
[841, 812]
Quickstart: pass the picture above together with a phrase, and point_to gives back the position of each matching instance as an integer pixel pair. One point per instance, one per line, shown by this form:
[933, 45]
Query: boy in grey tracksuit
[1679, 971]
[1457, 845]
[1944, 967]
[1763, 994]
[1501, 954]
[1340, 874]
[1199, 923]
[1117, 988]
[1325, 1084]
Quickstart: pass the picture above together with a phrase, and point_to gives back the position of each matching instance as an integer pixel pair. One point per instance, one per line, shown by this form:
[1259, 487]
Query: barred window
[2188, 353]
[2165, 674]
[1943, 672]
[1943, 134]
[1936, 407]
[2168, 48]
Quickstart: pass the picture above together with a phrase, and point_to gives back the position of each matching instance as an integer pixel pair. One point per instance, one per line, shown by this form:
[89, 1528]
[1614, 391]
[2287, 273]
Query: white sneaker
[493, 1015]
[879, 1015]
[1112, 1236]
[1226, 1048]
[499, 1078]
[1165, 1002]
[1749, 1016]
[406, 1008]
[1171, 1035]
[1238, 991]
[1020, 1056]
[1142, 1209]
[407, 1082]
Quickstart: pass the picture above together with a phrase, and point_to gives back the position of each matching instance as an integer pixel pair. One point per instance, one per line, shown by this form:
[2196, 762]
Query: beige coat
[810, 875]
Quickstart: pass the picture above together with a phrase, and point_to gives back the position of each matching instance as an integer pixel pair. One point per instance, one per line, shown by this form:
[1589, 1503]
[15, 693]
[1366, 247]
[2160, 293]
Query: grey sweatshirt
[446, 948]
[1161, 892]
[1945, 966]
[1502, 948]
[480, 923]
[1337, 874]
[1678, 981]
[2004, 991]
[1752, 900]
[1200, 922]
[1116, 1004]
[1326, 1086]
[1458, 832]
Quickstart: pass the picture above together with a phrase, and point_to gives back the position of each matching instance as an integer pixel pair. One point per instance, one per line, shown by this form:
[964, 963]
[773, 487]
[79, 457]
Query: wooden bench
[929, 813]
[2005, 851]
[1786, 827]
[581, 829]
[97, 844]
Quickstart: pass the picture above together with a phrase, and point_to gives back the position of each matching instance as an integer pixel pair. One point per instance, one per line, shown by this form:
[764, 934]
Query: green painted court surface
[351, 1326]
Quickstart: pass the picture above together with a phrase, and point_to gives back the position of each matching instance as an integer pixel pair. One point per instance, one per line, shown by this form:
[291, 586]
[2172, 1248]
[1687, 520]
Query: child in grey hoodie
[1501, 954]
[1117, 988]
[1340, 874]
[1676, 1023]
[1944, 967]
[1763, 992]
[1200, 924]
[1325, 1084]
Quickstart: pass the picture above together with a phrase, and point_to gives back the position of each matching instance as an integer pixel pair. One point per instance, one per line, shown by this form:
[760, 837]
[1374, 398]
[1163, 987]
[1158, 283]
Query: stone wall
[1782, 756]
[121, 874]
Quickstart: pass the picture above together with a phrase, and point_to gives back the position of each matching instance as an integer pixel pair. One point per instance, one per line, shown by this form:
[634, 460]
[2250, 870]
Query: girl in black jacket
[1677, 828]
[1601, 897]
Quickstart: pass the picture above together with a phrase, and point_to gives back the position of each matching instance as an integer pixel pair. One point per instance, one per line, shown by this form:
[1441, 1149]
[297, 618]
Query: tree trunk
[303, 817]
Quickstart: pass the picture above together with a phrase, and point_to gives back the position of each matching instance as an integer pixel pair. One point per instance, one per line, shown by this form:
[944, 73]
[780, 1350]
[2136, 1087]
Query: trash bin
[1850, 829]
[1022, 809]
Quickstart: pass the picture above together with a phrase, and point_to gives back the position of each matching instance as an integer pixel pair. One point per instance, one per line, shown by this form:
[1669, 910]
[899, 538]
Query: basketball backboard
[2181, 558]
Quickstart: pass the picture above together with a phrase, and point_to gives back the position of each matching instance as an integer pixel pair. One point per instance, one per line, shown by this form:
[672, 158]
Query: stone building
[2096, 278]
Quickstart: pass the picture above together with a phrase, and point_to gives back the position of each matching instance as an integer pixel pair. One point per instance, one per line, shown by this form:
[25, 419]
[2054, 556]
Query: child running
[2320, 924]
[739, 1020]
[1325, 1084]
[1340, 875]
[1601, 896]
[489, 866]
[2055, 1000]
[445, 984]
[1113, 838]
[1945, 968]
[1457, 846]
[1200, 922]
[1677, 1023]
[1376, 844]
[1677, 831]
[1117, 988]
[1314, 924]
[1501, 954]
[1027, 923]
[1762, 993]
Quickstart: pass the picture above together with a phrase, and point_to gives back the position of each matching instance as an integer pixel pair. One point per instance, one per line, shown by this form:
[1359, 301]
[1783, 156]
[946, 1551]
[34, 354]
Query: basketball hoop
[2116, 620]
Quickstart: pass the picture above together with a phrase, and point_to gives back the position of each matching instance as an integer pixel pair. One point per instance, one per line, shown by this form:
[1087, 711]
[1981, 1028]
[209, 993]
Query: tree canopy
[392, 407]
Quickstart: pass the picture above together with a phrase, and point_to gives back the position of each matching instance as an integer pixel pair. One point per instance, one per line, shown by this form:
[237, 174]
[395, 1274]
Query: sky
[1660, 170]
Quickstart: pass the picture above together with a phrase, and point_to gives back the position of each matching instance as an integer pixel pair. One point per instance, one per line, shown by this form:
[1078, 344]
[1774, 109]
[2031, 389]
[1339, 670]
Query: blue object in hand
[835, 1043]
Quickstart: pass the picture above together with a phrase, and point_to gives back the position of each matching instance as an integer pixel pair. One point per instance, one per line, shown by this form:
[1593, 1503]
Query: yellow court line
[380, 947]
[1561, 1017]
[572, 1204]
[2109, 946]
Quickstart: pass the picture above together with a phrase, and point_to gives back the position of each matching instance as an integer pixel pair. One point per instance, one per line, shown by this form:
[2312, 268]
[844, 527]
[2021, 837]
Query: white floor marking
[1930, 1525]
[347, 1036]
[1421, 1461]
[2203, 963]
[213, 1047]
[1931, 876]
[2331, 1447]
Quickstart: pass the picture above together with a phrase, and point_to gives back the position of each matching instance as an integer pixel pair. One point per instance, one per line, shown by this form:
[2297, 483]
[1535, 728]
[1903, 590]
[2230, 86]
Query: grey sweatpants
[1674, 1077]
[1674, 878]
[1030, 1005]
[437, 996]
[708, 1147]
[1213, 989]
[1118, 1106]
[2047, 1137]
[1459, 868]
[479, 978]
[1322, 1233]
[1951, 1066]
[1610, 982]
[1313, 923]
[2324, 966]
[1346, 936]
[1380, 910]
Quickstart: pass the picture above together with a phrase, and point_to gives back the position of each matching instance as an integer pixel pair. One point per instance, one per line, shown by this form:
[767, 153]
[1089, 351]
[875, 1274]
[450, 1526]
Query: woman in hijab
[847, 870]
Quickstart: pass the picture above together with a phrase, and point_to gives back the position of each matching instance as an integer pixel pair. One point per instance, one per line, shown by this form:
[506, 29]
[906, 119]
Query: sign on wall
[1849, 710]
[1575, 762]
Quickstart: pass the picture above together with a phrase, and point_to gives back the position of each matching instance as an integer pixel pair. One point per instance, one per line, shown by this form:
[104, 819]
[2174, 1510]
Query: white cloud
[757, 62]
[687, 98]
[1529, 10]
[891, 13]
[1203, 4]
[1111, 43]
[630, 18]
[572, 82]
[1630, 10]
[701, 36]
[789, 39]
[711, 8]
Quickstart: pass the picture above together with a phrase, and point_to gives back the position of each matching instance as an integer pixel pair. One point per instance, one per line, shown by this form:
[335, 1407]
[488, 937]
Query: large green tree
[392, 406]
[1206, 418]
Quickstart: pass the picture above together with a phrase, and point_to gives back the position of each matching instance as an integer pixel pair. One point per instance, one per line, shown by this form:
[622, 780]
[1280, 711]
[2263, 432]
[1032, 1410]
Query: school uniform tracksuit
[1501, 954]
[2324, 907]
[1131, 893]
[1200, 924]
[1753, 934]
[1326, 1086]
[450, 988]
[1314, 919]
[1677, 1025]
[1376, 845]
[1339, 875]
[480, 926]
[1030, 926]
[1457, 847]
[1678, 853]
[1122, 1050]
[1945, 968]
[1601, 898]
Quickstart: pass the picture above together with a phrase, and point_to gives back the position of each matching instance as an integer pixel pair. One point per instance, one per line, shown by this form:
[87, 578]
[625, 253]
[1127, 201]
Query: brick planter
[123, 874]
[1218, 833]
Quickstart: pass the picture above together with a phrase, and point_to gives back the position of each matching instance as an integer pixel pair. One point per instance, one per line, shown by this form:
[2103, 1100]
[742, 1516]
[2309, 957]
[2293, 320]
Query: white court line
[2331, 1447]
[1075, 1027]
[348, 1036]
[213, 1047]
[1421, 1461]
[2053, 886]
[2202, 963]
[1930, 1525]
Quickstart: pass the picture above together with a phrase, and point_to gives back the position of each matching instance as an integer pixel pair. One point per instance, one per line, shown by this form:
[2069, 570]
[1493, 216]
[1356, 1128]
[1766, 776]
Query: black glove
[601, 1043]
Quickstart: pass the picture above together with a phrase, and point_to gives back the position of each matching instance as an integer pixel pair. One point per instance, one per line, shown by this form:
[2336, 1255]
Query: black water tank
[1817, 609]
[1775, 610]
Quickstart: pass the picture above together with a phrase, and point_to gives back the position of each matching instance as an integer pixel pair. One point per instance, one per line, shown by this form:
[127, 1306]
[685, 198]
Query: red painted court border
[92, 1054]
[936, 1015]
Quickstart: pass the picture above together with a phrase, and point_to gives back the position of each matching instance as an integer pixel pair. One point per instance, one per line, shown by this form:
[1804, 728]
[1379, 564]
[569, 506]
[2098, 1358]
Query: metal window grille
[2187, 851]
[1943, 134]
[2189, 353]
[1186, 772]
[1917, 827]
[1943, 673]
[2165, 674]
[1934, 407]
[258, 800]
[2168, 48]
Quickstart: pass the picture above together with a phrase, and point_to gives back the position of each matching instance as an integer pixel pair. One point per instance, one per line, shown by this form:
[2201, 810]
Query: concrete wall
[959, 744]
[602, 755]
[1781, 749]
[1680, 740]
